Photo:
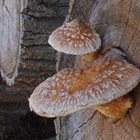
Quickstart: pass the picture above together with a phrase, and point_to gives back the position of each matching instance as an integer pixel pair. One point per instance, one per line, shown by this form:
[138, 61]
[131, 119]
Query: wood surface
[37, 18]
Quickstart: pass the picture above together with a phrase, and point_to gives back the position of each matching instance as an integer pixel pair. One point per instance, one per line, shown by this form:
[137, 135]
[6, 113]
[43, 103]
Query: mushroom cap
[76, 38]
[71, 90]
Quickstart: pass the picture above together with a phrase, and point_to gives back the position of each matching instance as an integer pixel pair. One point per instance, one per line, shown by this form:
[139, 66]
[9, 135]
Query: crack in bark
[83, 124]
[7, 10]
[74, 134]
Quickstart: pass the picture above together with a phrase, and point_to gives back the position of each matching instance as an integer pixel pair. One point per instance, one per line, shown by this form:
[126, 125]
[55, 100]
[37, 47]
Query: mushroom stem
[117, 108]
[90, 56]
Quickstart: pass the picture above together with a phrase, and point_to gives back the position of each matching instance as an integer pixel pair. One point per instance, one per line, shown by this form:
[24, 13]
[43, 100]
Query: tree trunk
[118, 24]
[37, 19]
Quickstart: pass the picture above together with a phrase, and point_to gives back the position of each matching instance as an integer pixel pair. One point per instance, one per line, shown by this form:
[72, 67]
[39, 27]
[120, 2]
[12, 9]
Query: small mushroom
[71, 90]
[75, 38]
[117, 108]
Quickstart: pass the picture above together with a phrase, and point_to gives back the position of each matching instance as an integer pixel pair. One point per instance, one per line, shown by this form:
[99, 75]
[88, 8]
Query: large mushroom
[71, 90]
[76, 38]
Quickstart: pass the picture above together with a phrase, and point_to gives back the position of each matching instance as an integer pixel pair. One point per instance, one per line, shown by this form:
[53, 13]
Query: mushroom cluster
[71, 90]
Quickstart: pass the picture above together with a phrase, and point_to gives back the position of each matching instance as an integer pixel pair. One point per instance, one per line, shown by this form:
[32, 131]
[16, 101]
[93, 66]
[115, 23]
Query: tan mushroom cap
[71, 90]
[76, 38]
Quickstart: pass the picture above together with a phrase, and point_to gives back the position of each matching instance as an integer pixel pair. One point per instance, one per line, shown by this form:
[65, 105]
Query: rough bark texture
[117, 21]
[37, 59]
[10, 47]
[37, 19]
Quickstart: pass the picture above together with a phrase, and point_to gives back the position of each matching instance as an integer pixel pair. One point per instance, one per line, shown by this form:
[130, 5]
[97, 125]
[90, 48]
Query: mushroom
[117, 108]
[71, 90]
[76, 38]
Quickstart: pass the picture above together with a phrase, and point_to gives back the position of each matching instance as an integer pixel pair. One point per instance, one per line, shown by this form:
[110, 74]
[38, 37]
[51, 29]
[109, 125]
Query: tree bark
[118, 24]
[10, 38]
[37, 19]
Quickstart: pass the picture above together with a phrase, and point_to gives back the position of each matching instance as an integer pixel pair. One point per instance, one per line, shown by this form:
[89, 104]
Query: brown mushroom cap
[76, 38]
[71, 90]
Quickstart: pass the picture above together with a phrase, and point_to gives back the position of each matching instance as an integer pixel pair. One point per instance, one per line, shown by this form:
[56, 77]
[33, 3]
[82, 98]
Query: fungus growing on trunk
[117, 108]
[75, 38]
[71, 90]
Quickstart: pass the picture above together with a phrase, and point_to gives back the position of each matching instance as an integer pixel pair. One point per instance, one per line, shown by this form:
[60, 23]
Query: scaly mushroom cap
[71, 90]
[75, 38]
